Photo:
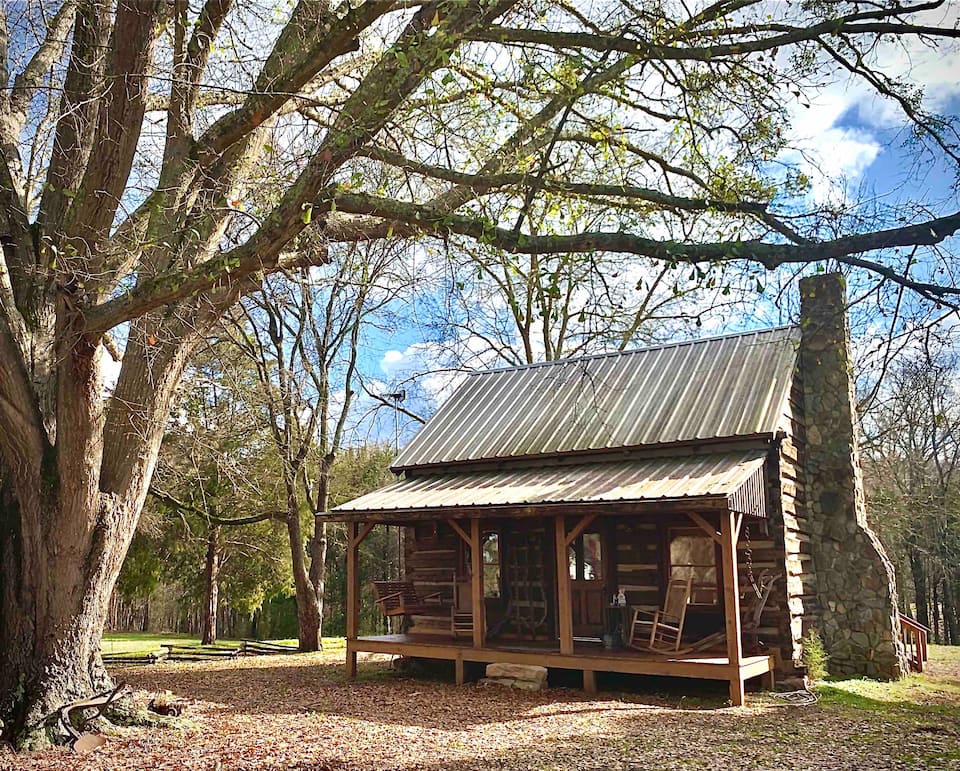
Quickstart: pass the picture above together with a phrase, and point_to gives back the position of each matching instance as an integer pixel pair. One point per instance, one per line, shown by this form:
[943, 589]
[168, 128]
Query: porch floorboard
[586, 656]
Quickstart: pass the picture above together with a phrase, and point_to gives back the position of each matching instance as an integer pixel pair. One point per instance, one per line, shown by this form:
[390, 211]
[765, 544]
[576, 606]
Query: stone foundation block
[509, 682]
[522, 672]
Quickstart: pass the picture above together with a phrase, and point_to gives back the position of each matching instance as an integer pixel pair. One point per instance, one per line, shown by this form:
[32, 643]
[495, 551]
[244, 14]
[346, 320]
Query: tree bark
[318, 568]
[308, 607]
[950, 613]
[52, 614]
[68, 513]
[211, 587]
[937, 638]
[919, 573]
[318, 544]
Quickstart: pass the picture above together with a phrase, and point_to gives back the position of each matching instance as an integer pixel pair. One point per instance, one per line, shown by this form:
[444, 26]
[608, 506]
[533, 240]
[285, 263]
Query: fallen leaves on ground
[299, 713]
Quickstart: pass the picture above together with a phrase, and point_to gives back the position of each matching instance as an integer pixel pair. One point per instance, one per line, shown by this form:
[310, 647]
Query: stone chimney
[857, 595]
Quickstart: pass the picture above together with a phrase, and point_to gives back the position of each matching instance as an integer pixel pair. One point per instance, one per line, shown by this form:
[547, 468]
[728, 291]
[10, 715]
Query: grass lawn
[137, 642]
[298, 712]
[145, 642]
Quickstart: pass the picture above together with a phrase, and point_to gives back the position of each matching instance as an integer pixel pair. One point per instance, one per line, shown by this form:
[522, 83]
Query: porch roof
[734, 480]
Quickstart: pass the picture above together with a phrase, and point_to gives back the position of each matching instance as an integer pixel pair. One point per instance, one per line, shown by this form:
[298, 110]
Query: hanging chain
[748, 558]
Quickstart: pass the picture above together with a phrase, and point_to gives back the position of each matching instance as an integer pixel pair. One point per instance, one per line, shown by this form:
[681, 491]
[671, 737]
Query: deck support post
[476, 583]
[589, 681]
[729, 530]
[353, 593]
[564, 601]
[769, 680]
[458, 670]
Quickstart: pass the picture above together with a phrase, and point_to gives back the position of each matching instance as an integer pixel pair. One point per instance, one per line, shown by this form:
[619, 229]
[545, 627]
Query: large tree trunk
[308, 608]
[53, 609]
[69, 508]
[950, 612]
[211, 587]
[318, 567]
[919, 572]
[318, 544]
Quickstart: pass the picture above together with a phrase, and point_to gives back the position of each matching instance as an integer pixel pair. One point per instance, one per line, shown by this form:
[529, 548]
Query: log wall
[430, 562]
[791, 528]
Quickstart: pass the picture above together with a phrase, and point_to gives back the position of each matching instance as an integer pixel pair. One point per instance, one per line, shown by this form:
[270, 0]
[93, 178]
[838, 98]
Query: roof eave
[708, 444]
[713, 501]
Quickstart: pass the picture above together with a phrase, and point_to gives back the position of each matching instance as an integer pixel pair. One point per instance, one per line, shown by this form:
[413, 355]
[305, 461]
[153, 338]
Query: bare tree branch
[770, 255]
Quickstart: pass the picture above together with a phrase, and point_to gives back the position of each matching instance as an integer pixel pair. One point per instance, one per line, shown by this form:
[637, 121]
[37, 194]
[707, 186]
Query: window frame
[579, 562]
[465, 562]
[484, 538]
[702, 587]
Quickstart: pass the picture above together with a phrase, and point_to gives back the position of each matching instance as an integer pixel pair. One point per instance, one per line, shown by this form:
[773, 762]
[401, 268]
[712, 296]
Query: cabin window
[692, 553]
[586, 558]
[491, 563]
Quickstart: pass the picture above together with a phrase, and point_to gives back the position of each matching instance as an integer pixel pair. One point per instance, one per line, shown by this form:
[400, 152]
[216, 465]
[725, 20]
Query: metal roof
[718, 475]
[720, 387]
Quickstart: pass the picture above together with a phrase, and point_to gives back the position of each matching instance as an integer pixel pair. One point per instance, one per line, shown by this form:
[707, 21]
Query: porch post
[353, 594]
[476, 584]
[564, 602]
[731, 603]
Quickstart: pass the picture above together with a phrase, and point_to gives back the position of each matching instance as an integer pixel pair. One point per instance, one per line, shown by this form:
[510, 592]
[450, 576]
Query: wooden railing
[914, 637]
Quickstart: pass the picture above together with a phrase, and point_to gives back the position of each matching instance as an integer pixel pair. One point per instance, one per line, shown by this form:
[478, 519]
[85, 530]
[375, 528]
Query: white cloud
[836, 156]
[431, 372]
[425, 365]
[834, 160]
[391, 360]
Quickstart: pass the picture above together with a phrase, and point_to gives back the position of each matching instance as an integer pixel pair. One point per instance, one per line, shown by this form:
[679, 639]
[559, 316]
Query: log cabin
[549, 510]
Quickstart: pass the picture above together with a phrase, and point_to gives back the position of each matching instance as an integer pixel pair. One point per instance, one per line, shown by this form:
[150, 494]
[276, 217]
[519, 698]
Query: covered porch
[589, 657]
[543, 595]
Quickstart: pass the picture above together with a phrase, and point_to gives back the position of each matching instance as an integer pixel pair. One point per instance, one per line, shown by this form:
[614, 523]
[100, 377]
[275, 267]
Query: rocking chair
[400, 598]
[754, 610]
[751, 612]
[666, 623]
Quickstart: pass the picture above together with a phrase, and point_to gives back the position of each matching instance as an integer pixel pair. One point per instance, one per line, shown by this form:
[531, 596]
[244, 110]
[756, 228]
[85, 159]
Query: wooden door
[588, 586]
[526, 579]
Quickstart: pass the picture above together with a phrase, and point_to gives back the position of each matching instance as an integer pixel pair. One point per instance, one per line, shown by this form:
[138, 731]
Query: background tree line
[911, 454]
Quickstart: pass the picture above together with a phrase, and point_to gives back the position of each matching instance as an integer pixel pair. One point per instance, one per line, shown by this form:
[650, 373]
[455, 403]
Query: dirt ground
[298, 712]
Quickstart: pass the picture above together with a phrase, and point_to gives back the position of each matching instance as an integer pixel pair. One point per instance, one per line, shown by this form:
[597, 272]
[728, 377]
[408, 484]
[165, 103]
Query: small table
[616, 622]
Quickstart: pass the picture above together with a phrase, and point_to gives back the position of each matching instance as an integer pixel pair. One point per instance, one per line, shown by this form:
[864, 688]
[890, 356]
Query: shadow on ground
[305, 684]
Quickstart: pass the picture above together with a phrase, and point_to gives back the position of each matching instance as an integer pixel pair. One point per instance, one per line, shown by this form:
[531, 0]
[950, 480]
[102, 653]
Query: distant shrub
[814, 655]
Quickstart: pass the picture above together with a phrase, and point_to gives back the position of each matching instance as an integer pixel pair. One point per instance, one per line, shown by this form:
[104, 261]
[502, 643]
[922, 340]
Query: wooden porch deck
[588, 657]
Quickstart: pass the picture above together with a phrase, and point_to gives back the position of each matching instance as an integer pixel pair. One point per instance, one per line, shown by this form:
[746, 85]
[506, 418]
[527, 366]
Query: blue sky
[856, 153]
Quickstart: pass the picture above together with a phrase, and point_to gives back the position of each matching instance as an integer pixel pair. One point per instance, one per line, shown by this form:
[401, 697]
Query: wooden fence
[914, 637]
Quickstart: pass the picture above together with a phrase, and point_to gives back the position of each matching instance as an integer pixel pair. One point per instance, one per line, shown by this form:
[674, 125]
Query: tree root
[128, 712]
[40, 737]
[132, 712]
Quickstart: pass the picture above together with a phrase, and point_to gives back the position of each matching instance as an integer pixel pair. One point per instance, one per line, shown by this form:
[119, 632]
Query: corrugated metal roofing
[721, 387]
[651, 479]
